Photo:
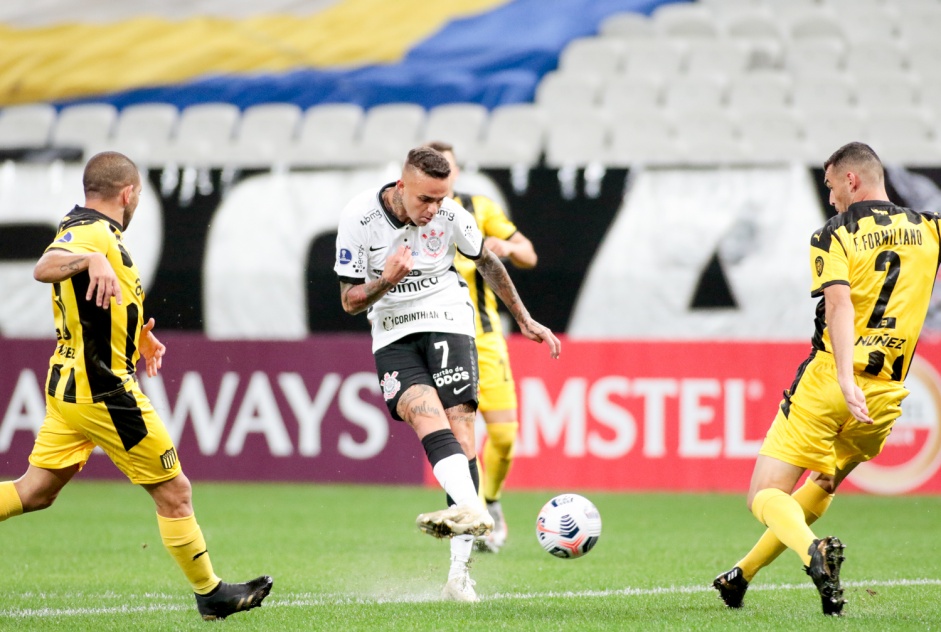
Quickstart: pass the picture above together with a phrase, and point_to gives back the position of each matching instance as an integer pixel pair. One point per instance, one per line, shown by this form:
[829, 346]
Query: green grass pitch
[350, 558]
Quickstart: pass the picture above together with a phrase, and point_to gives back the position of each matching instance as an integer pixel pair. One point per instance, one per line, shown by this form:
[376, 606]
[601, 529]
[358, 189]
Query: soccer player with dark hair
[874, 266]
[92, 395]
[395, 261]
[498, 403]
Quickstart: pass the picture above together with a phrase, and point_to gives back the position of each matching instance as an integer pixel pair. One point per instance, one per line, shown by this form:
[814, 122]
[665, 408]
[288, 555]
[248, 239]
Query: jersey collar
[82, 213]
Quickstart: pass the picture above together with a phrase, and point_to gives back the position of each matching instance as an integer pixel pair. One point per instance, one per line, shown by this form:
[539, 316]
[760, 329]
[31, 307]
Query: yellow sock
[814, 501]
[498, 457]
[785, 517]
[10, 504]
[184, 540]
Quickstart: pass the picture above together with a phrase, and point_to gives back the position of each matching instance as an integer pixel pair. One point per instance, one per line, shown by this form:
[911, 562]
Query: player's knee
[37, 499]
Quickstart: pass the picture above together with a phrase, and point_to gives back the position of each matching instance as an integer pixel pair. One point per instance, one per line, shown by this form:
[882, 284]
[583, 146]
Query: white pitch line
[310, 599]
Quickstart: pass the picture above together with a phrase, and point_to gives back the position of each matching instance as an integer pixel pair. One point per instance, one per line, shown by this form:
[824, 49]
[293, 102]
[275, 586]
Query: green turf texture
[350, 558]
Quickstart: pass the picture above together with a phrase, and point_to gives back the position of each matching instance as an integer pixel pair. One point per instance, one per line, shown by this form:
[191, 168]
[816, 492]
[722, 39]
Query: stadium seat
[628, 26]
[811, 91]
[758, 25]
[709, 136]
[580, 141]
[659, 57]
[86, 125]
[514, 136]
[721, 57]
[143, 132]
[772, 136]
[863, 59]
[814, 24]
[593, 55]
[562, 91]
[905, 137]
[327, 134]
[203, 128]
[626, 96]
[389, 131]
[685, 20]
[26, 125]
[887, 91]
[726, 8]
[264, 136]
[644, 138]
[821, 57]
[829, 127]
[460, 124]
[695, 92]
[755, 91]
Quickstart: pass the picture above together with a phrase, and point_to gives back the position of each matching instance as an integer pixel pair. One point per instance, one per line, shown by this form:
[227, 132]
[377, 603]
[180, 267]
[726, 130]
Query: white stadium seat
[629, 26]
[514, 136]
[724, 57]
[264, 136]
[685, 20]
[26, 125]
[389, 131]
[760, 91]
[327, 134]
[143, 132]
[459, 124]
[813, 91]
[906, 137]
[772, 136]
[203, 131]
[829, 127]
[660, 57]
[580, 141]
[643, 138]
[624, 95]
[709, 136]
[562, 91]
[593, 55]
[86, 125]
[694, 92]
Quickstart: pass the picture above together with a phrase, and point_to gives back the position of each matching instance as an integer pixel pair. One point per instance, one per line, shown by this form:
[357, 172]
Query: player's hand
[151, 349]
[102, 282]
[398, 265]
[499, 247]
[540, 333]
[856, 402]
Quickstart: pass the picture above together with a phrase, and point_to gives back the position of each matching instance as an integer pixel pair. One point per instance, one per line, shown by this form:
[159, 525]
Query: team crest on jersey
[390, 385]
[433, 243]
[818, 265]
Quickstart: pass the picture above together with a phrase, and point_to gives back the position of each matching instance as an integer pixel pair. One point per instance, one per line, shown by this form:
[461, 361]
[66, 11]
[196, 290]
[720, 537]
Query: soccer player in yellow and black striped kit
[92, 394]
[498, 403]
[874, 265]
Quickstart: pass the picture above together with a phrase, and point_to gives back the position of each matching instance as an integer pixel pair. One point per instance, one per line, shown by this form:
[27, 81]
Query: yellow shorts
[815, 430]
[497, 388]
[125, 426]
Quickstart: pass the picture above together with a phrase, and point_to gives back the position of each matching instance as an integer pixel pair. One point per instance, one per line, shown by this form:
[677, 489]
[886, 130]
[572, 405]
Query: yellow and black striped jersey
[96, 349]
[888, 255]
[493, 222]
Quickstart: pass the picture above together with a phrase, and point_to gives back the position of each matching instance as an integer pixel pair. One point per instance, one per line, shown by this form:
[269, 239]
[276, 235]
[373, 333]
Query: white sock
[453, 475]
[461, 546]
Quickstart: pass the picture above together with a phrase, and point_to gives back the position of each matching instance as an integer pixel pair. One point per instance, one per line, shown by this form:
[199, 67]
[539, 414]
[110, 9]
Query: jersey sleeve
[828, 261]
[495, 222]
[82, 238]
[467, 236]
[350, 263]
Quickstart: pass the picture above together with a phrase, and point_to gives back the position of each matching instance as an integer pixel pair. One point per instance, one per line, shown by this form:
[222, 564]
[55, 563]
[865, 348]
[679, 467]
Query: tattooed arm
[494, 272]
[358, 298]
[57, 265]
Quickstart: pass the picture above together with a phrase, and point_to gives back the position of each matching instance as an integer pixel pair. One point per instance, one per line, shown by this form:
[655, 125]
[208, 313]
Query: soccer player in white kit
[395, 254]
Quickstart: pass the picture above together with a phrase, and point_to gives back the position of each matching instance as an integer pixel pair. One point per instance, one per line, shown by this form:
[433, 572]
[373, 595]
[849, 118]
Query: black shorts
[447, 362]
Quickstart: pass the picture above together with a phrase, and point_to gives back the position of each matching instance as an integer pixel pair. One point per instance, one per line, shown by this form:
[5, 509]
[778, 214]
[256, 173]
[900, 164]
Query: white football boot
[456, 520]
[460, 587]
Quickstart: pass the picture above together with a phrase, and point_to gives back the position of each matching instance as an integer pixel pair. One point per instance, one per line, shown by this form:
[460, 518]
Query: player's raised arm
[494, 272]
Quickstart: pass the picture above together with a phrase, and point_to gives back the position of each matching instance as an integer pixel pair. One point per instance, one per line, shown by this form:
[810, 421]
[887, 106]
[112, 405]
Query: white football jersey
[433, 297]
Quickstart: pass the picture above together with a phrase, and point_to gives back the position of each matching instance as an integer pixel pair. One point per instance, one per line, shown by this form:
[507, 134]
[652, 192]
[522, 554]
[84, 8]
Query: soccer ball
[568, 526]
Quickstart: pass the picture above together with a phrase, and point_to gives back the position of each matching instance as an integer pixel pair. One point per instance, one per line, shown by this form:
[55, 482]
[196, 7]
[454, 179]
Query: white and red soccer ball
[568, 526]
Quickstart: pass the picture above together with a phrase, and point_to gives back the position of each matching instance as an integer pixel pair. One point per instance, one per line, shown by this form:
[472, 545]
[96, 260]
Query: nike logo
[371, 249]
[198, 555]
[457, 391]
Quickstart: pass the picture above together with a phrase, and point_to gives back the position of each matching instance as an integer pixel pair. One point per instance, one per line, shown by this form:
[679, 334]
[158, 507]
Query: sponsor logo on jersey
[912, 452]
[390, 385]
[344, 256]
[433, 243]
[451, 376]
[370, 217]
[390, 322]
[407, 287]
